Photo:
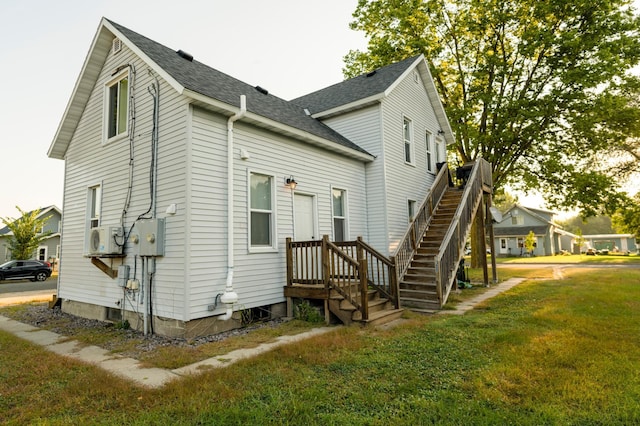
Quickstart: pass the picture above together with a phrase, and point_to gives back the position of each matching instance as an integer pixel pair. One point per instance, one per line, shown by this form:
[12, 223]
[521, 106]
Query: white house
[182, 183]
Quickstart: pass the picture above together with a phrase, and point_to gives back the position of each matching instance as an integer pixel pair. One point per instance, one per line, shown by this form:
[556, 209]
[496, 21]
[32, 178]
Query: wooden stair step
[382, 317]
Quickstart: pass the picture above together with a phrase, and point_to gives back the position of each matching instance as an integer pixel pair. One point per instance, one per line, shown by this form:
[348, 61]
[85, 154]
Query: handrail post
[289, 262]
[364, 287]
[325, 261]
[393, 278]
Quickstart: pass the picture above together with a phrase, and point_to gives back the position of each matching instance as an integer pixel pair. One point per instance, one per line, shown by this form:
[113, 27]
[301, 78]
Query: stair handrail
[451, 248]
[343, 272]
[381, 273]
[406, 249]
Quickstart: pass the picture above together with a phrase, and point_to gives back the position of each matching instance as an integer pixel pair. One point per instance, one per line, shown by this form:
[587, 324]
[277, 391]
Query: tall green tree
[529, 85]
[27, 234]
[627, 218]
[530, 242]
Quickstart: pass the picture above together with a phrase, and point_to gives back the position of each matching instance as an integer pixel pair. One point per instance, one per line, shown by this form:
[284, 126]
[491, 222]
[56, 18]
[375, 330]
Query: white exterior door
[304, 217]
[504, 246]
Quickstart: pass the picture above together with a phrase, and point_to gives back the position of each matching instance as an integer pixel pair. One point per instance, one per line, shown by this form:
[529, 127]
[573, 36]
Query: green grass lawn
[546, 352]
[573, 258]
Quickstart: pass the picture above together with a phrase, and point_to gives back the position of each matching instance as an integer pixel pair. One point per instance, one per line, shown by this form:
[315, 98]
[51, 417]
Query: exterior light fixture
[441, 132]
[291, 182]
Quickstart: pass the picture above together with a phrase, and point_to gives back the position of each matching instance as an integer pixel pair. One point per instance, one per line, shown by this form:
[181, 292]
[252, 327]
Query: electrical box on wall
[150, 235]
[123, 275]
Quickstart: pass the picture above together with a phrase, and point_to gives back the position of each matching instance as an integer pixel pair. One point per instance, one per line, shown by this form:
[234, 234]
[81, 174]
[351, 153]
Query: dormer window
[117, 106]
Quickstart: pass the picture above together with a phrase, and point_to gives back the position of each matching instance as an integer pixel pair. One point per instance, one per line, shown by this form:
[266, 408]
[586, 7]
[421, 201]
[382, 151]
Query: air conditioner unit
[102, 240]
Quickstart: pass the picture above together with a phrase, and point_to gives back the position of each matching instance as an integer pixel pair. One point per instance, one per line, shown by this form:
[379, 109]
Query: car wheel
[41, 276]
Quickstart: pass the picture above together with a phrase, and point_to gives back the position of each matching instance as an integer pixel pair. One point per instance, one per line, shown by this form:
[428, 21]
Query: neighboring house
[184, 182]
[49, 249]
[516, 224]
[615, 243]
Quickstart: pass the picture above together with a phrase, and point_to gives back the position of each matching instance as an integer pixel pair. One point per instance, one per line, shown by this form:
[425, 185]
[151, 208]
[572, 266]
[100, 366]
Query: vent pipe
[229, 297]
[185, 55]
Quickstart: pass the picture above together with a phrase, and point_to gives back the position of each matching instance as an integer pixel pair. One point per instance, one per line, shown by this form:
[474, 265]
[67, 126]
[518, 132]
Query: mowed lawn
[546, 352]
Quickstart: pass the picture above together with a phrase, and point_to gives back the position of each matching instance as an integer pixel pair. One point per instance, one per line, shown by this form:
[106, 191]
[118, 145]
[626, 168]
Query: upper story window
[429, 144]
[339, 206]
[262, 212]
[517, 220]
[117, 106]
[407, 131]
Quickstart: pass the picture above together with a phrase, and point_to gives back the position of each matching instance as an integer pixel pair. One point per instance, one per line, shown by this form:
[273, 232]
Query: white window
[429, 143]
[339, 206]
[117, 106]
[42, 253]
[94, 205]
[411, 209]
[517, 220]
[407, 131]
[440, 151]
[261, 211]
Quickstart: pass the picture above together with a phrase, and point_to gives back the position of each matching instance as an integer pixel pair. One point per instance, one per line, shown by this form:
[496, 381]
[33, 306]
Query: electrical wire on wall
[154, 91]
[132, 132]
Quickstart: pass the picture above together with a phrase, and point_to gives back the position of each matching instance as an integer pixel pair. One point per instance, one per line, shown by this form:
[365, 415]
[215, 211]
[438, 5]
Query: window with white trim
[440, 151]
[407, 132]
[411, 209]
[429, 143]
[261, 211]
[117, 106]
[339, 206]
[94, 205]
[517, 220]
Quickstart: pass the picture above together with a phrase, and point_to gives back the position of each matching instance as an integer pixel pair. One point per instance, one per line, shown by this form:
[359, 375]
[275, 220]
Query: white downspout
[229, 297]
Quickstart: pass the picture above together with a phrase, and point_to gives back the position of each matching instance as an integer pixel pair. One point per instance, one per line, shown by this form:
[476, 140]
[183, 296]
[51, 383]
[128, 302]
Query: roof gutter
[229, 297]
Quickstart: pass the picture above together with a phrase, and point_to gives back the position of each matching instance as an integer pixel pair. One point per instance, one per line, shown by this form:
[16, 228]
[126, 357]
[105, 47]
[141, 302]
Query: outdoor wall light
[291, 182]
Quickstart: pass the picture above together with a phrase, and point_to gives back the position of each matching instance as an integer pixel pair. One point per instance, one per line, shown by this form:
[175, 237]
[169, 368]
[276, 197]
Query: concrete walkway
[496, 289]
[132, 369]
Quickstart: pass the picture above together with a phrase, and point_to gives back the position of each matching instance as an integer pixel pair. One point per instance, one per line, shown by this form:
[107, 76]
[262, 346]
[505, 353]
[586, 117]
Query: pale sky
[289, 47]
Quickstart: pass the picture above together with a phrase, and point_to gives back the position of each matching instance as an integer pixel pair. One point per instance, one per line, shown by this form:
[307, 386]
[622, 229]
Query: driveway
[21, 291]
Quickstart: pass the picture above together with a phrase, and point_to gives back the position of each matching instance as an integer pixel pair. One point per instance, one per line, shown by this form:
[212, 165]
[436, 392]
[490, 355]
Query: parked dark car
[32, 269]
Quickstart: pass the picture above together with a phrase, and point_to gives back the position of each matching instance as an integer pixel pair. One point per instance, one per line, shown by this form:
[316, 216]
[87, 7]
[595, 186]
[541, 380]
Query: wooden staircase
[418, 290]
[381, 310]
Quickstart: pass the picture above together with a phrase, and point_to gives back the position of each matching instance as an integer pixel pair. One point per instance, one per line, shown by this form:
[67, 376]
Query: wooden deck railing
[451, 249]
[409, 243]
[350, 268]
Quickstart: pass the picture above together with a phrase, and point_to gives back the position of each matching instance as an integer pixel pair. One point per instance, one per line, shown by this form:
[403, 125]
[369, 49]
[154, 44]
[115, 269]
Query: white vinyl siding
[363, 127]
[410, 100]
[259, 274]
[88, 161]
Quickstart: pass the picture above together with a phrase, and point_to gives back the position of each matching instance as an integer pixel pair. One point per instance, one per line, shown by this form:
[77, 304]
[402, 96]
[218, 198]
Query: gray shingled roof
[202, 79]
[355, 89]
[519, 230]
